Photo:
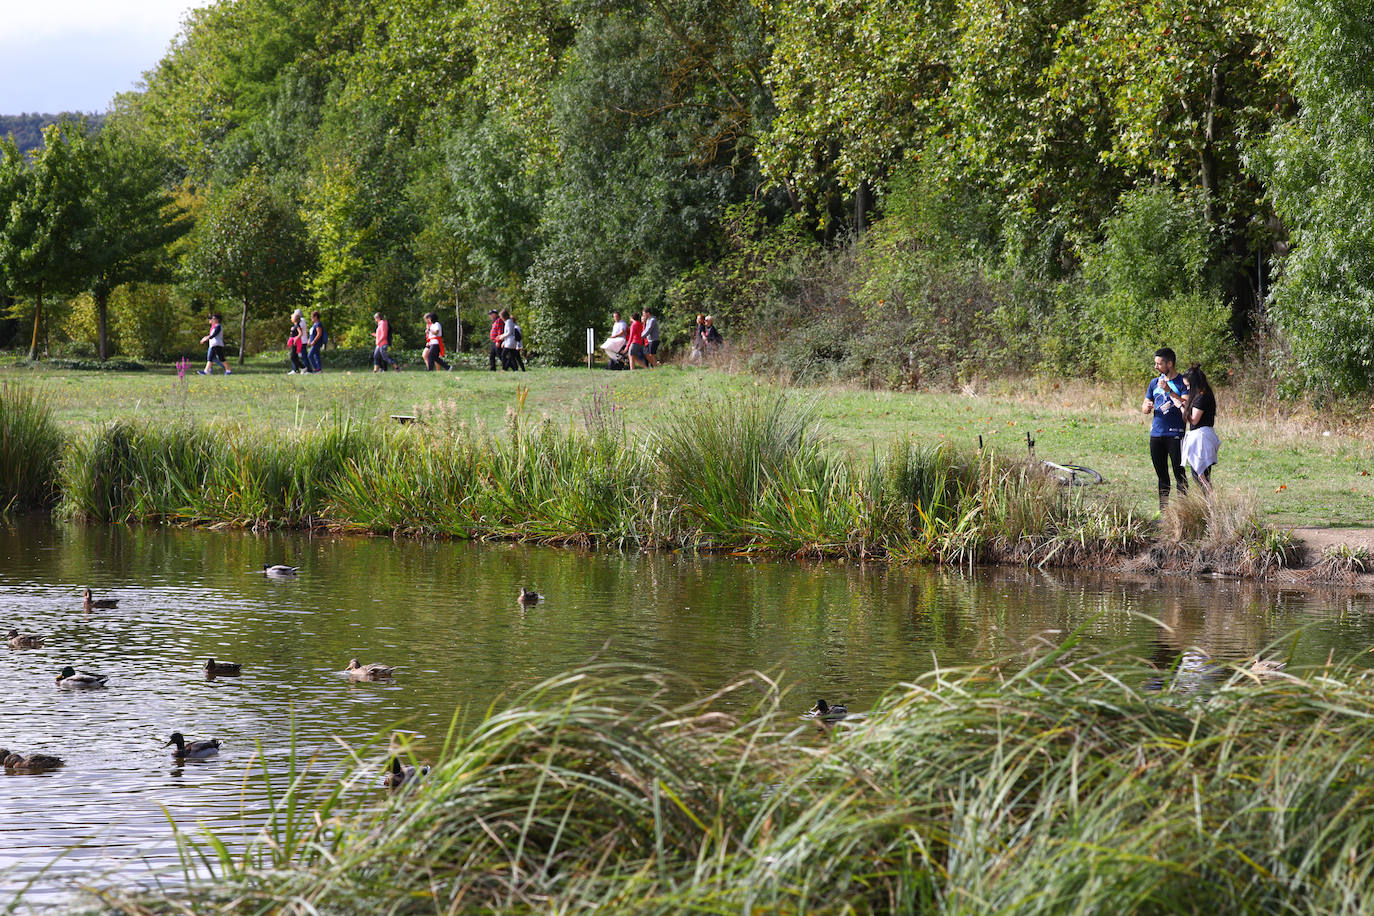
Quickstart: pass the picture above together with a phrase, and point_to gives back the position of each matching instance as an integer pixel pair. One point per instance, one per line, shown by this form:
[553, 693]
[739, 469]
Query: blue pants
[312, 358]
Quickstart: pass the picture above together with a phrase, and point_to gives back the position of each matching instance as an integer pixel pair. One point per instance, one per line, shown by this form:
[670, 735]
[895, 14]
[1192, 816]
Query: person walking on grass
[651, 338]
[498, 330]
[214, 341]
[1166, 427]
[314, 342]
[1200, 445]
[295, 344]
[382, 338]
[635, 341]
[434, 343]
[510, 342]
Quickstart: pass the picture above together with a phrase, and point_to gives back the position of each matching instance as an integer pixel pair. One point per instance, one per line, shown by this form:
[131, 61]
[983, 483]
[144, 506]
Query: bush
[30, 444]
[1147, 286]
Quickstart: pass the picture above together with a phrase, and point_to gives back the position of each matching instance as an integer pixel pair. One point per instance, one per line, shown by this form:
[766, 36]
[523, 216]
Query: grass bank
[1070, 789]
[751, 475]
[1294, 468]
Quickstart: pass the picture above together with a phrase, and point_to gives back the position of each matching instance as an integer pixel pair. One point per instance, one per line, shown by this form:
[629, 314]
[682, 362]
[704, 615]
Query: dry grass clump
[1221, 532]
[1044, 786]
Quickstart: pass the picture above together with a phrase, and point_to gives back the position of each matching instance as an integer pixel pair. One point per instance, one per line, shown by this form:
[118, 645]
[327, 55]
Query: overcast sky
[75, 55]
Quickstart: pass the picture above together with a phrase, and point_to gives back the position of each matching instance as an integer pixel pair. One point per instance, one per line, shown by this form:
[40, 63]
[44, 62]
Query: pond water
[446, 615]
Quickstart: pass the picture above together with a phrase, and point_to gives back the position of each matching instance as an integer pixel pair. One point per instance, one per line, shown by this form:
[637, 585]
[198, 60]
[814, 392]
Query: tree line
[908, 190]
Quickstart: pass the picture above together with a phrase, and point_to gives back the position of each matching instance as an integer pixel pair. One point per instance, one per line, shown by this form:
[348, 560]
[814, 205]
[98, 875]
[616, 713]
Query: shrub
[1147, 286]
[30, 443]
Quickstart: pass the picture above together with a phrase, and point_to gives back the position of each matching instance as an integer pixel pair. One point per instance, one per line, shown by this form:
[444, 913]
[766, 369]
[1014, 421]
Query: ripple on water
[445, 614]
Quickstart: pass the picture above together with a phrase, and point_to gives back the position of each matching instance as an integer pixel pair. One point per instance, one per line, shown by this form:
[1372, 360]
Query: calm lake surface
[445, 614]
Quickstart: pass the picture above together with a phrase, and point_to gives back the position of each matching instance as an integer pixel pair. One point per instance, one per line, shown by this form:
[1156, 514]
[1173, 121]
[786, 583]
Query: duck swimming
[222, 669]
[399, 774]
[529, 597]
[828, 713]
[192, 750]
[70, 677]
[90, 602]
[279, 571]
[24, 640]
[373, 672]
[33, 763]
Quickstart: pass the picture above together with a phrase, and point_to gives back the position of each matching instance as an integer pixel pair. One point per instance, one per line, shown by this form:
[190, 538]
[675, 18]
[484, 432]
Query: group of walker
[1182, 431]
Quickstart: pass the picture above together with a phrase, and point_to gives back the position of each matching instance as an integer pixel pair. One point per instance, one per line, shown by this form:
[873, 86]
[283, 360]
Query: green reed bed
[753, 476]
[1063, 786]
[30, 443]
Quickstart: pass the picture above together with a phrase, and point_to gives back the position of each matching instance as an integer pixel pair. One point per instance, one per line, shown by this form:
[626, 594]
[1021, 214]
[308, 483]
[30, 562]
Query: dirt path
[1318, 539]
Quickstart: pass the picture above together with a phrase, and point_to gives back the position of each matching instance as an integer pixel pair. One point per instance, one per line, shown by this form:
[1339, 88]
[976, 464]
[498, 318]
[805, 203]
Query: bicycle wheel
[1073, 475]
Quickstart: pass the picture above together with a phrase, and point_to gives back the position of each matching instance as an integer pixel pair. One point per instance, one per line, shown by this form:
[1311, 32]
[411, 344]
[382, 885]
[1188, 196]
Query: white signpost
[591, 346]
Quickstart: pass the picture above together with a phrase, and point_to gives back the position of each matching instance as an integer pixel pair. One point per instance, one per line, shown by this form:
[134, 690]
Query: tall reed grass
[1056, 786]
[30, 446]
[747, 476]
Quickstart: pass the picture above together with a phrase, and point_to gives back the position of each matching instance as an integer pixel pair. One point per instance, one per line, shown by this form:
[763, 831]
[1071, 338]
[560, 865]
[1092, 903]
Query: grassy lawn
[1296, 474]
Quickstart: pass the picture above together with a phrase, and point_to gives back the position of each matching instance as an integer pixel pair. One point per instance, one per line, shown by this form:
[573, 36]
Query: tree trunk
[243, 330]
[37, 314]
[458, 320]
[1208, 166]
[102, 303]
[860, 207]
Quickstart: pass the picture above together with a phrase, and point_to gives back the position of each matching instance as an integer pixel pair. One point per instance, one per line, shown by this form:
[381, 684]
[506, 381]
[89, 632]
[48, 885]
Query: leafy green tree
[133, 220]
[250, 247]
[42, 233]
[1321, 170]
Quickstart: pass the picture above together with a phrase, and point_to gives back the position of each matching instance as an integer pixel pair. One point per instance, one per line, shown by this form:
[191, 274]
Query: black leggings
[1164, 451]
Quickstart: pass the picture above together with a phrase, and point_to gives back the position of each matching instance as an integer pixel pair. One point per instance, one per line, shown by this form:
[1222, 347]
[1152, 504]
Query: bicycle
[1070, 475]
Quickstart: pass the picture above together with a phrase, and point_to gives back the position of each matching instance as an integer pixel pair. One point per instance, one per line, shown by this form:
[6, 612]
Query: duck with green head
[71, 678]
[192, 750]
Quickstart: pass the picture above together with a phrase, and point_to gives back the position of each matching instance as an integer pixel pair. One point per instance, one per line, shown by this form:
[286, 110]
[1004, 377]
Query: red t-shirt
[498, 329]
[383, 333]
[636, 333]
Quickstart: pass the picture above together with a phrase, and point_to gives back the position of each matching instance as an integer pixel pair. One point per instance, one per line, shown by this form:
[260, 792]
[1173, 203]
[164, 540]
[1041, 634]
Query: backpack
[518, 336]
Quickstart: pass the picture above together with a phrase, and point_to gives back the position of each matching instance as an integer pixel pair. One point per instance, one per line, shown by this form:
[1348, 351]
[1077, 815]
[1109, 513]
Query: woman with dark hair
[1200, 445]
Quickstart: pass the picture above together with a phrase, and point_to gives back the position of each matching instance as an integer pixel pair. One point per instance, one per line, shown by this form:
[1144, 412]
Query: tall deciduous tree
[41, 234]
[132, 220]
[1321, 166]
[250, 248]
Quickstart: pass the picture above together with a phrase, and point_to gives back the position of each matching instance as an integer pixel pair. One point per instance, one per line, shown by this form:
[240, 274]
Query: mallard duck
[222, 669]
[99, 602]
[33, 763]
[1266, 666]
[373, 672]
[70, 677]
[529, 597]
[399, 774]
[823, 710]
[279, 571]
[192, 750]
[24, 640]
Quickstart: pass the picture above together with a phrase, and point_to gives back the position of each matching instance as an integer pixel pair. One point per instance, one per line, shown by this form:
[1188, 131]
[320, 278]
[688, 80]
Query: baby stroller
[616, 359]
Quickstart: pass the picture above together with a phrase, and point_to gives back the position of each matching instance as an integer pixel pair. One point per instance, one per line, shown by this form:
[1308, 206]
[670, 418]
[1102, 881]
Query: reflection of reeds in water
[1050, 787]
[30, 445]
[751, 475]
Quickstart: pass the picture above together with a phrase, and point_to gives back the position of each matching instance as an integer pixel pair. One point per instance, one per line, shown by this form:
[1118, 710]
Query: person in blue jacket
[1167, 426]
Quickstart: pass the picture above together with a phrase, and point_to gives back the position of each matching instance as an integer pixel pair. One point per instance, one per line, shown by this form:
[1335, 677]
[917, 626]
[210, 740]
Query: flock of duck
[398, 774]
[70, 678]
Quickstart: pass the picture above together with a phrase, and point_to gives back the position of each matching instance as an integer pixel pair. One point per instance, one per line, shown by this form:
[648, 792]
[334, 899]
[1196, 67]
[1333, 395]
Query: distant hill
[27, 129]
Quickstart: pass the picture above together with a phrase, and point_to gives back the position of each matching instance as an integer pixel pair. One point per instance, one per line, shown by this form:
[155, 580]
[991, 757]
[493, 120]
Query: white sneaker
[292, 372]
